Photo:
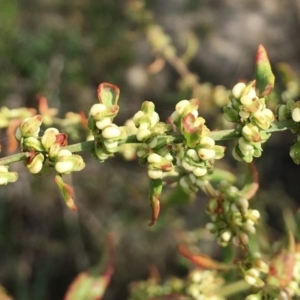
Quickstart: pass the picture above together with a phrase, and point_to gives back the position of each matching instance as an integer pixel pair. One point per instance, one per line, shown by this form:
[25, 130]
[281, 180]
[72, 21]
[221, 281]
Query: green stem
[220, 135]
[233, 288]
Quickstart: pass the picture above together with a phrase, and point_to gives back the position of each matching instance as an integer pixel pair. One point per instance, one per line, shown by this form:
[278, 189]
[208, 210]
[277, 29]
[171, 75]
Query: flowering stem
[220, 135]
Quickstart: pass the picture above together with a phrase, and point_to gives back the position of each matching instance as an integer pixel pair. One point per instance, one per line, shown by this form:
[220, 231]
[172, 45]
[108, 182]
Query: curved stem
[220, 135]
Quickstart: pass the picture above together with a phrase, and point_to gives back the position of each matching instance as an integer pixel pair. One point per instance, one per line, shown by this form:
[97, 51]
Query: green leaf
[108, 94]
[154, 193]
[263, 73]
[67, 192]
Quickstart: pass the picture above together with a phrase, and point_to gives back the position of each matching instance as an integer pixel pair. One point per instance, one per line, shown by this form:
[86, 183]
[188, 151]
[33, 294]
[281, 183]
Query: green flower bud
[31, 126]
[54, 150]
[32, 143]
[49, 137]
[231, 114]
[36, 164]
[281, 112]
[6, 177]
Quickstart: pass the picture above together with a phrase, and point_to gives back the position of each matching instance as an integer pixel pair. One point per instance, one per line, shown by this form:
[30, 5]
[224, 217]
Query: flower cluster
[253, 118]
[204, 285]
[231, 216]
[254, 270]
[46, 151]
[195, 158]
[107, 135]
[199, 285]
[155, 150]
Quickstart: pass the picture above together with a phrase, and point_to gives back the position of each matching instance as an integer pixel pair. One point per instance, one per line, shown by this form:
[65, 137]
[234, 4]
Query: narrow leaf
[92, 285]
[67, 192]
[251, 184]
[263, 73]
[154, 193]
[202, 260]
[108, 94]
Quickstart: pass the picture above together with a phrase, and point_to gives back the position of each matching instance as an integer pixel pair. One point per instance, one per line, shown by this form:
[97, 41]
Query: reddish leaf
[202, 260]
[251, 183]
[67, 192]
[108, 94]
[92, 285]
[263, 73]
[12, 141]
[154, 193]
[282, 265]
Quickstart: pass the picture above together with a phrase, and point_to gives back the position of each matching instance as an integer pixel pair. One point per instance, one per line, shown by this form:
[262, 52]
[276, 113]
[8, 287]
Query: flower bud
[226, 236]
[64, 167]
[110, 132]
[207, 141]
[97, 109]
[143, 134]
[101, 124]
[54, 150]
[36, 164]
[154, 158]
[31, 126]
[181, 105]
[187, 166]
[206, 154]
[155, 174]
[192, 153]
[49, 137]
[238, 89]
[137, 116]
[32, 143]
[6, 177]
[198, 171]
[296, 114]
[246, 100]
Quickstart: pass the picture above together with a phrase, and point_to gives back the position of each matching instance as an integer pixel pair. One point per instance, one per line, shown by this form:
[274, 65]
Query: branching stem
[220, 135]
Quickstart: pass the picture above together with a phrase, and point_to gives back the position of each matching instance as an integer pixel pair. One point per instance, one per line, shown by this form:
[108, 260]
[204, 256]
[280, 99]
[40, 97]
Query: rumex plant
[181, 152]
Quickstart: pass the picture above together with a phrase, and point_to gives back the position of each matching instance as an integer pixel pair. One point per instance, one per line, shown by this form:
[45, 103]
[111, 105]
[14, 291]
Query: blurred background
[161, 51]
